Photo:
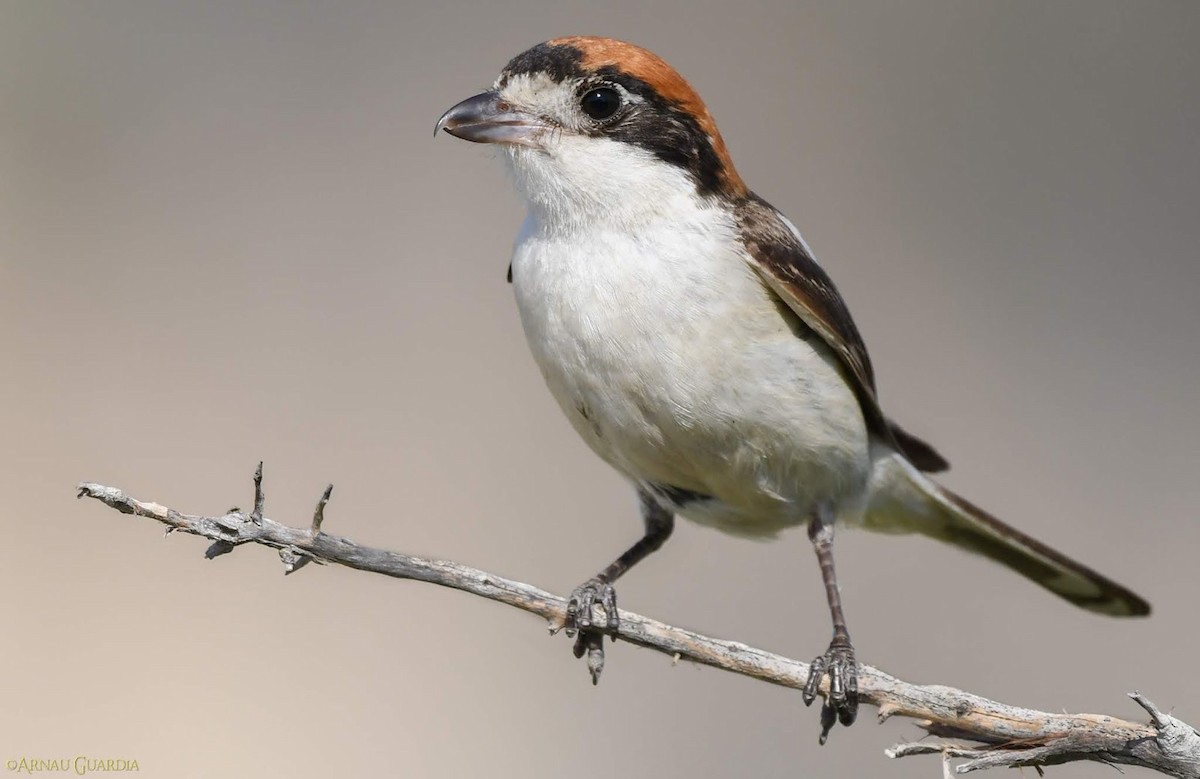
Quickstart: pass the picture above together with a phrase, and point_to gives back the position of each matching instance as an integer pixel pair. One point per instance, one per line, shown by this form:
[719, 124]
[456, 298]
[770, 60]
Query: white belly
[679, 369]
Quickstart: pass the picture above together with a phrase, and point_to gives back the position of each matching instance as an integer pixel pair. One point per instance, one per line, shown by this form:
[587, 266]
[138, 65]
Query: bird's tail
[905, 500]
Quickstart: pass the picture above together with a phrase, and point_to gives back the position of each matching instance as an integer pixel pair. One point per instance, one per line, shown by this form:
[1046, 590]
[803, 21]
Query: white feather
[665, 350]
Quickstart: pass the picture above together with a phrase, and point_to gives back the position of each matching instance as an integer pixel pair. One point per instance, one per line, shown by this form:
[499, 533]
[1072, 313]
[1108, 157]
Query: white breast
[675, 364]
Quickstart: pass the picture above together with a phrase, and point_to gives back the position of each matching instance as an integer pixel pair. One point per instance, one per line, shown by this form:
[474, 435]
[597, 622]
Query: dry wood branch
[1004, 735]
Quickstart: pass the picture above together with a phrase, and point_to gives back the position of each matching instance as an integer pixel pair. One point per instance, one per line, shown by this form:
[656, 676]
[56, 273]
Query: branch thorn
[259, 499]
[319, 514]
[1157, 718]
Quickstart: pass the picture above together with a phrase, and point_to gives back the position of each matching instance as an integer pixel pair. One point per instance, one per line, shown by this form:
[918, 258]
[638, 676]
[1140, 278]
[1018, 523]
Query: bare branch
[1004, 735]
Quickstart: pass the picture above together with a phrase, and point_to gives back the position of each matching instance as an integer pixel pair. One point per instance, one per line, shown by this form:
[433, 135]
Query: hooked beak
[485, 118]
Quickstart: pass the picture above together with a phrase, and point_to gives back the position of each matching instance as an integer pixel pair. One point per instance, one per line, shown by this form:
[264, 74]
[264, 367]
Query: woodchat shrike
[687, 332]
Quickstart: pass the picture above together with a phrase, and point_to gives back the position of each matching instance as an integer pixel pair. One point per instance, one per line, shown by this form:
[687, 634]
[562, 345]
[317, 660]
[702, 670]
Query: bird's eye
[600, 103]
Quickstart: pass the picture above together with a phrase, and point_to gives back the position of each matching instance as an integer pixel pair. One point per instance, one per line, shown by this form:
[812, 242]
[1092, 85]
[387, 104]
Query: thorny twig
[1004, 736]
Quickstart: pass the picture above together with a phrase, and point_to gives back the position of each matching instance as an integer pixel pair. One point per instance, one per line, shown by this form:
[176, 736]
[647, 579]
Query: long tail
[905, 500]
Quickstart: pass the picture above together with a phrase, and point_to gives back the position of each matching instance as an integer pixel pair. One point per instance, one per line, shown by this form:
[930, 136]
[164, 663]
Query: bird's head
[594, 128]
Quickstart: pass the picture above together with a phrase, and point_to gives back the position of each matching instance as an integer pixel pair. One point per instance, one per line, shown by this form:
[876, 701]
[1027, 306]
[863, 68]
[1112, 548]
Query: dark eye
[600, 103]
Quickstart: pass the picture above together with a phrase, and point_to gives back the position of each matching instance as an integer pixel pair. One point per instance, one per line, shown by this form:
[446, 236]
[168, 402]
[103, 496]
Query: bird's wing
[787, 266]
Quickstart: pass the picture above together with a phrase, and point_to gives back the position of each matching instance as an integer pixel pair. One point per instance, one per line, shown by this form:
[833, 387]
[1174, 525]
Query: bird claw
[841, 704]
[590, 641]
[583, 599]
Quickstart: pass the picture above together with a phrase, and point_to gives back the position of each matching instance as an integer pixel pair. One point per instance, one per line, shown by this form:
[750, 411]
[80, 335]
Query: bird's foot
[841, 703]
[583, 598]
[590, 638]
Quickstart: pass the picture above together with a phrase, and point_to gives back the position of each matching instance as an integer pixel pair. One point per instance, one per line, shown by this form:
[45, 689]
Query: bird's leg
[659, 523]
[841, 704]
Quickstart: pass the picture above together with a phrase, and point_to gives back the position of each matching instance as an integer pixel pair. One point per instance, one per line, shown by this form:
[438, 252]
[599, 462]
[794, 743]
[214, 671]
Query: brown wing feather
[792, 274]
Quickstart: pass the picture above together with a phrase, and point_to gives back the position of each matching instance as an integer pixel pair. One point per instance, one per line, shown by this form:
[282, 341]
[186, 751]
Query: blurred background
[227, 234]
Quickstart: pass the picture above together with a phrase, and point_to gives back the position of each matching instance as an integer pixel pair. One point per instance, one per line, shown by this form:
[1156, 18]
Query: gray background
[227, 234]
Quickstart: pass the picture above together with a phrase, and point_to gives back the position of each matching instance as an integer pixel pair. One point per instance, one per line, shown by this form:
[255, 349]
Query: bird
[685, 329]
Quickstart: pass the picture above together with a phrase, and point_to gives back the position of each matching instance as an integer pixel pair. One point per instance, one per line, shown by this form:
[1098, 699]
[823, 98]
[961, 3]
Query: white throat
[584, 182]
